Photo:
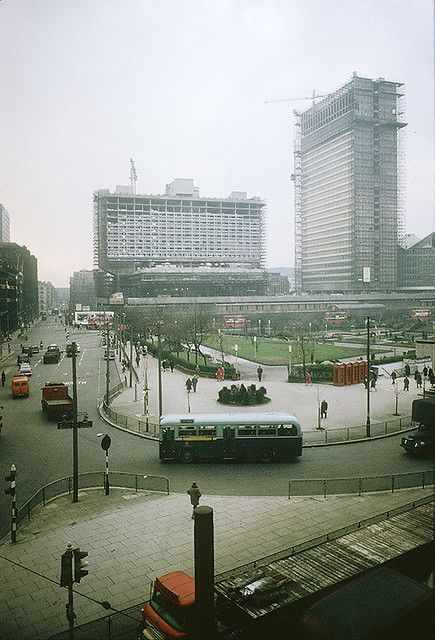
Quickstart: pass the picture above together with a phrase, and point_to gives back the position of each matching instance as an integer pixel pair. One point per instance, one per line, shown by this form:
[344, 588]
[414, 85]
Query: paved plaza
[132, 537]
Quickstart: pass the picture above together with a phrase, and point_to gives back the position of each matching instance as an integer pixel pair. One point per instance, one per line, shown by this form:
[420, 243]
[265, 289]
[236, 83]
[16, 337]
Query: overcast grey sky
[180, 86]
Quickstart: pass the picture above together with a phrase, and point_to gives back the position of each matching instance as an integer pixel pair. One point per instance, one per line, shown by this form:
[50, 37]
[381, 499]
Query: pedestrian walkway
[347, 406]
[131, 538]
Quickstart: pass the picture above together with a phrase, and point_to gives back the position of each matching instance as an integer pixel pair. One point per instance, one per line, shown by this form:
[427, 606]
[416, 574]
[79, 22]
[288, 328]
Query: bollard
[13, 493]
[205, 621]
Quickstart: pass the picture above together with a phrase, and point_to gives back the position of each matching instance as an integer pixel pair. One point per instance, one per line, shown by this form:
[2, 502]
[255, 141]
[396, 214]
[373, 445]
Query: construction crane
[133, 176]
[313, 97]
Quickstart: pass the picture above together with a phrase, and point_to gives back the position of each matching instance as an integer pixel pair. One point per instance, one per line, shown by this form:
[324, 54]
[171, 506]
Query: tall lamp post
[289, 361]
[368, 379]
[159, 356]
[236, 349]
[145, 392]
[255, 346]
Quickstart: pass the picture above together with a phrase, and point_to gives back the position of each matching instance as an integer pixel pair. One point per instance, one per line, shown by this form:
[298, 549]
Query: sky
[181, 87]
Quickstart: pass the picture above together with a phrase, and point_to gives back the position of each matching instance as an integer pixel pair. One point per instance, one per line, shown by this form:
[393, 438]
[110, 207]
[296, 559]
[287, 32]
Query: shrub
[240, 395]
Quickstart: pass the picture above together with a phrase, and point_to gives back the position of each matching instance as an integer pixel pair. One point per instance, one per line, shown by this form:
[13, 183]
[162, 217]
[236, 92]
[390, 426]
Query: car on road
[20, 387]
[109, 354]
[25, 369]
[35, 349]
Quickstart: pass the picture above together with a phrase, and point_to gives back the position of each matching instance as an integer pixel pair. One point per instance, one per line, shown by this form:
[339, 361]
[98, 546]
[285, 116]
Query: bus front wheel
[266, 456]
[187, 456]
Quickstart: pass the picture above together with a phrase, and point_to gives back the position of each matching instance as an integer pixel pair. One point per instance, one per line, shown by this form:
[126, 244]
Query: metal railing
[366, 484]
[116, 626]
[91, 480]
[347, 434]
[147, 426]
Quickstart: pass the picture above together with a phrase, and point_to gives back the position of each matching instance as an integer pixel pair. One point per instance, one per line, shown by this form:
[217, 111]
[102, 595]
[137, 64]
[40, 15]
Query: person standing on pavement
[393, 377]
[407, 370]
[323, 409]
[171, 365]
[425, 370]
[188, 385]
[3, 378]
[259, 372]
[308, 378]
[194, 383]
[406, 383]
[195, 495]
[418, 380]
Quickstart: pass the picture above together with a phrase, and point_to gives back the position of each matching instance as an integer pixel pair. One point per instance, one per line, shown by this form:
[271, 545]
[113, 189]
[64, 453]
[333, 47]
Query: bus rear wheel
[187, 456]
[266, 456]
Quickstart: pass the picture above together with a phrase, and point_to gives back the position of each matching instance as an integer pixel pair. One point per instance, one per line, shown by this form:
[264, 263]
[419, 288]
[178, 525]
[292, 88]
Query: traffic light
[66, 576]
[79, 564]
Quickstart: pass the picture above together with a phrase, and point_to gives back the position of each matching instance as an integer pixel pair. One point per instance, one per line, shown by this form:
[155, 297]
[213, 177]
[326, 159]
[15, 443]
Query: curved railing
[94, 480]
[365, 484]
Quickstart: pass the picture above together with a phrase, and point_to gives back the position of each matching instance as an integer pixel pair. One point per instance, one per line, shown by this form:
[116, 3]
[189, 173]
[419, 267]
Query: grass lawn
[275, 352]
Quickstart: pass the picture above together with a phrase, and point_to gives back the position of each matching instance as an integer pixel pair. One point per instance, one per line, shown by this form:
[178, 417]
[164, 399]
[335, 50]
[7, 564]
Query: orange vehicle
[20, 387]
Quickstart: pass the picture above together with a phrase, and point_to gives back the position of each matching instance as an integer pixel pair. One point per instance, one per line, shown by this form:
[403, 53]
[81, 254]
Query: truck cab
[169, 613]
[422, 441]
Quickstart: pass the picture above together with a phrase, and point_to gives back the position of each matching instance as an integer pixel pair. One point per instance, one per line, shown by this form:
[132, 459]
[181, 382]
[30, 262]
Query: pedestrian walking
[195, 495]
[416, 375]
[430, 372]
[418, 380]
[373, 383]
[189, 385]
[393, 377]
[137, 360]
[259, 372]
[407, 370]
[308, 379]
[323, 409]
[171, 365]
[406, 383]
[194, 383]
[3, 378]
[425, 370]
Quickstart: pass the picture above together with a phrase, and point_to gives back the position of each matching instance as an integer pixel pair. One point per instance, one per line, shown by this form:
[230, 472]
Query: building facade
[20, 273]
[417, 264]
[347, 189]
[82, 289]
[4, 225]
[46, 297]
[179, 229]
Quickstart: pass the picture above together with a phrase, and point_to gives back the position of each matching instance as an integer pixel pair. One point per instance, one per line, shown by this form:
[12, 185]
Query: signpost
[105, 445]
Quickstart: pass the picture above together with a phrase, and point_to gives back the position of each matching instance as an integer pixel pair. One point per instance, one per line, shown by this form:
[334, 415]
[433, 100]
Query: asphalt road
[43, 453]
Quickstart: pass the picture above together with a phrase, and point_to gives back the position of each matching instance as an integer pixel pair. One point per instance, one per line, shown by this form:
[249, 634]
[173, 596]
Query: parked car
[25, 369]
[110, 354]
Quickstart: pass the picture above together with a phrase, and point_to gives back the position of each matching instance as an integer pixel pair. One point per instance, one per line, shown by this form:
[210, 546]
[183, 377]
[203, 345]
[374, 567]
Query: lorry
[52, 354]
[422, 441]
[56, 402]
[267, 598]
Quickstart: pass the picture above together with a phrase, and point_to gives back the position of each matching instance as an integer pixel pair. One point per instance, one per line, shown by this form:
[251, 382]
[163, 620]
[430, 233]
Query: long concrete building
[137, 233]
[347, 189]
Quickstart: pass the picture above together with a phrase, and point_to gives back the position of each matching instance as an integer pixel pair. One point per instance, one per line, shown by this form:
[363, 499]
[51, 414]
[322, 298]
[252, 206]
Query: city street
[43, 453]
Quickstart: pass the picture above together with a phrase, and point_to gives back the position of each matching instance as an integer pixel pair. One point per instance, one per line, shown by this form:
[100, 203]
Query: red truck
[56, 402]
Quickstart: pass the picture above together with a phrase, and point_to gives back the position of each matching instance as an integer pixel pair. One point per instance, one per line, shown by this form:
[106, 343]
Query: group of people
[167, 364]
[191, 384]
[428, 374]
[220, 374]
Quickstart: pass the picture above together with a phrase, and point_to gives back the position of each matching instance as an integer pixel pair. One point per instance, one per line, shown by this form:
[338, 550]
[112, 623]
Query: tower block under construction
[348, 206]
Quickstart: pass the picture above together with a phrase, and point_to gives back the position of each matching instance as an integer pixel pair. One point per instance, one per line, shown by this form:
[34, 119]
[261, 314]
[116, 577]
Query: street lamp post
[255, 346]
[145, 392]
[396, 394]
[259, 327]
[188, 400]
[159, 354]
[236, 348]
[368, 379]
[221, 343]
[289, 361]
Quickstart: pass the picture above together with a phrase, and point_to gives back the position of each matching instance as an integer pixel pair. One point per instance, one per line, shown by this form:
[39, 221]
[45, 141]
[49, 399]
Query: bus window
[207, 431]
[186, 431]
[267, 431]
[248, 430]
